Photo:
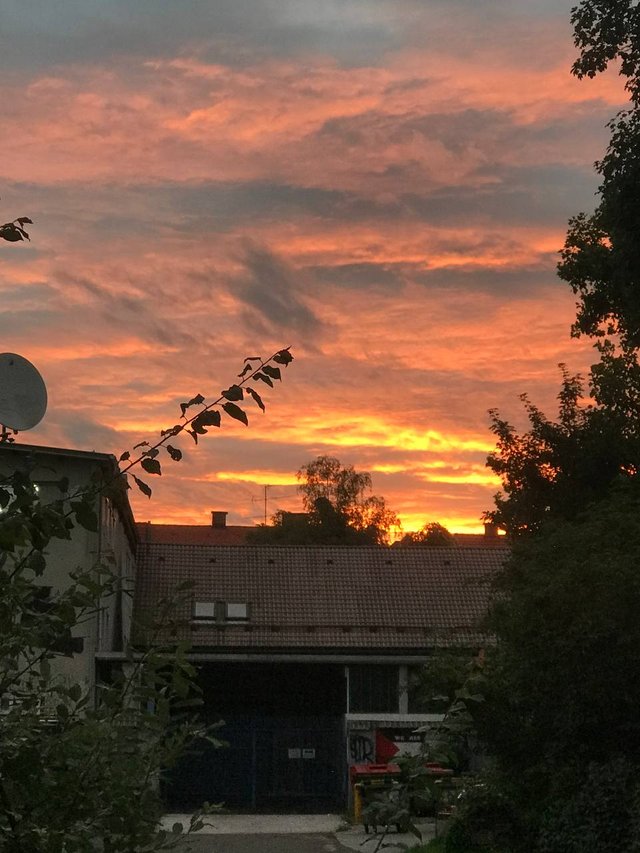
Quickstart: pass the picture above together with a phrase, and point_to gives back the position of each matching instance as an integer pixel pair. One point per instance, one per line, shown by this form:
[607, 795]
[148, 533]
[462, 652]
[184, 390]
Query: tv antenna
[23, 395]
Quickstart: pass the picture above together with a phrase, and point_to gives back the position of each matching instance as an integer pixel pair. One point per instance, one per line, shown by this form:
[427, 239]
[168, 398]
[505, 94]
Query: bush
[603, 814]
[486, 822]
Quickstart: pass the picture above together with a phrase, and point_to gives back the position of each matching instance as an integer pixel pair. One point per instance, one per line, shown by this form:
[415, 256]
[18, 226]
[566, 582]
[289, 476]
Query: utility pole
[266, 488]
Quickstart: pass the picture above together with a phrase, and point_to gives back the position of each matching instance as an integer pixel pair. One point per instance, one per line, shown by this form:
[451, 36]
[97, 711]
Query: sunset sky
[382, 185]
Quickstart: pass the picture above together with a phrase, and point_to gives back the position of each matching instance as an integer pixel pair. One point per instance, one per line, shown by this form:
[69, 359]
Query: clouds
[381, 184]
[272, 294]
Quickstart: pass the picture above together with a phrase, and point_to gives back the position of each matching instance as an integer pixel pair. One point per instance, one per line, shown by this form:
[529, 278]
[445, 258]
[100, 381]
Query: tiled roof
[192, 534]
[327, 598]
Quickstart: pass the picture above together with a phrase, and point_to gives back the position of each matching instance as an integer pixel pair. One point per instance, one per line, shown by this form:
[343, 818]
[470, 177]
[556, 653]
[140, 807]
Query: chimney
[218, 519]
[490, 530]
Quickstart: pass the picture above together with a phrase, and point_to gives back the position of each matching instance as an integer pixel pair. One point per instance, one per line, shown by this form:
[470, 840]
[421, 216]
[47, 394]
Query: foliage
[338, 510]
[452, 683]
[487, 821]
[207, 415]
[412, 793]
[79, 769]
[600, 259]
[325, 479]
[602, 815]
[568, 637]
[557, 692]
[73, 771]
[326, 526]
[556, 469]
[432, 533]
[14, 232]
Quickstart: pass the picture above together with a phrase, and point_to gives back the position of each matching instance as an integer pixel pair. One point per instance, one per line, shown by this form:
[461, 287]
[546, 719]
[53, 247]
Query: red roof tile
[327, 598]
[192, 534]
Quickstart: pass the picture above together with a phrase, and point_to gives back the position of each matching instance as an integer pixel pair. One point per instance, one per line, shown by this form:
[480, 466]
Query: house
[113, 545]
[306, 654]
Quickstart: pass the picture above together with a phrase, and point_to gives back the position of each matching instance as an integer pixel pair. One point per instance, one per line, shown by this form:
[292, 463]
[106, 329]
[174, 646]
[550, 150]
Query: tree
[432, 533]
[600, 259]
[77, 772]
[346, 490]
[338, 510]
[560, 711]
[557, 468]
[559, 699]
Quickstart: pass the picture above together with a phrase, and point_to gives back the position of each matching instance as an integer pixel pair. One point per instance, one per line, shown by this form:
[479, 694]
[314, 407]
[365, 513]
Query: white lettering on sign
[308, 753]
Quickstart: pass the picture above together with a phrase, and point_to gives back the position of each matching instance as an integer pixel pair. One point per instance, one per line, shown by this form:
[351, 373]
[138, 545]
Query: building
[307, 653]
[112, 545]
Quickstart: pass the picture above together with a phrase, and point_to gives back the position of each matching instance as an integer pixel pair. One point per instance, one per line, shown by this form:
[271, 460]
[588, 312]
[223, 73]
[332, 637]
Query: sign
[293, 753]
[308, 753]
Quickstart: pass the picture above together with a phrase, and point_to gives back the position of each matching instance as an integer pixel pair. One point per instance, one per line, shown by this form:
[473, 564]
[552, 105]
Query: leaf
[75, 692]
[233, 393]
[10, 233]
[24, 220]
[210, 417]
[283, 357]
[273, 372]
[142, 486]
[152, 452]
[86, 515]
[37, 563]
[174, 453]
[253, 358]
[263, 378]
[151, 466]
[236, 412]
[124, 456]
[5, 498]
[173, 431]
[246, 369]
[257, 398]
[63, 485]
[194, 435]
[194, 401]
[141, 444]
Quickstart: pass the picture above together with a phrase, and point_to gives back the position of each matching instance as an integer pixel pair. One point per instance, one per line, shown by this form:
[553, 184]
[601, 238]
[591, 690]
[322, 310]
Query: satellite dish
[23, 394]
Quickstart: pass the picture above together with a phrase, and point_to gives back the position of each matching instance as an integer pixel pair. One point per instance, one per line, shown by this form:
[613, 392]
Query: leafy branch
[255, 369]
[14, 232]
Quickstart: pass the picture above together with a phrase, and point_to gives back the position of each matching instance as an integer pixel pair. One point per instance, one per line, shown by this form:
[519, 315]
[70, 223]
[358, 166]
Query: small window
[236, 611]
[204, 610]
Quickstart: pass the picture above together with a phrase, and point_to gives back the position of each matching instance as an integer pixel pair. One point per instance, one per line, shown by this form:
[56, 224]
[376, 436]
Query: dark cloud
[83, 432]
[271, 291]
[140, 311]
[42, 33]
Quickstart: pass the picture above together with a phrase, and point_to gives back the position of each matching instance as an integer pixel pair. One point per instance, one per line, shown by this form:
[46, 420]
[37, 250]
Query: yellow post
[357, 803]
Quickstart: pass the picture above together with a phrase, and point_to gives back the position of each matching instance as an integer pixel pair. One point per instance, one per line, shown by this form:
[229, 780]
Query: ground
[287, 834]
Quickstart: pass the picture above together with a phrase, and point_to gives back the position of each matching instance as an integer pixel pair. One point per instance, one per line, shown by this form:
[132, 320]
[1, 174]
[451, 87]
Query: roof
[328, 599]
[192, 534]
[107, 461]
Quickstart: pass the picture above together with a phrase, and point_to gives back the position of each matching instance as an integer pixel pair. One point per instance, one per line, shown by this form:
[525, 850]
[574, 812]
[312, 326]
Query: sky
[382, 185]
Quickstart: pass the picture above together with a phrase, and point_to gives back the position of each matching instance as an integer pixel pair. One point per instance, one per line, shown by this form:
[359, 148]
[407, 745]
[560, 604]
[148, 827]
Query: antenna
[23, 395]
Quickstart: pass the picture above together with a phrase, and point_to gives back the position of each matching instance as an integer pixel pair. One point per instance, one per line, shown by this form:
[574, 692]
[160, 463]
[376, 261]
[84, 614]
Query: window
[236, 611]
[204, 610]
[373, 689]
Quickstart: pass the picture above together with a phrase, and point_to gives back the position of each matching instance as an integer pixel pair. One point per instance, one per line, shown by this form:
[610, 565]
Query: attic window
[236, 611]
[205, 610]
